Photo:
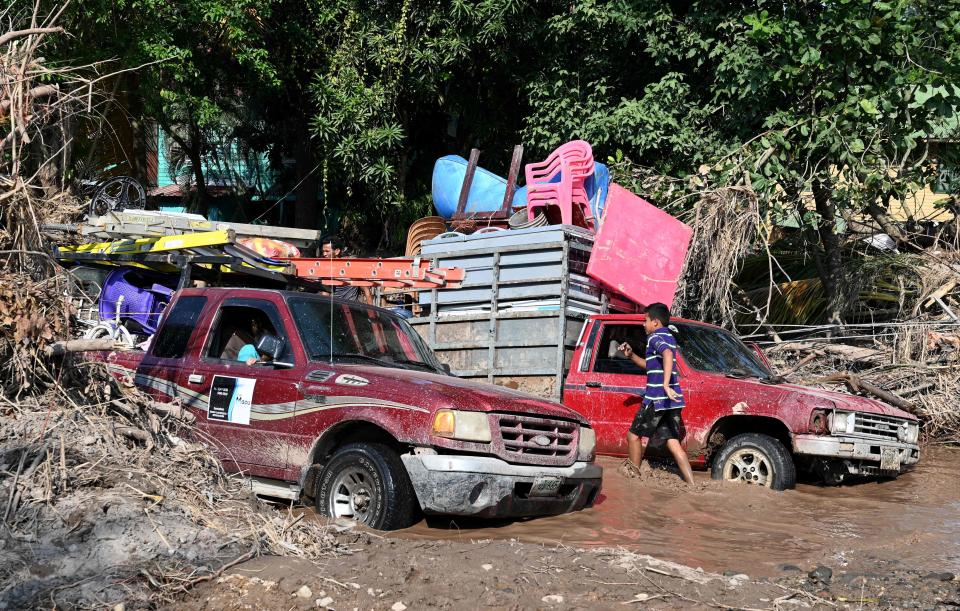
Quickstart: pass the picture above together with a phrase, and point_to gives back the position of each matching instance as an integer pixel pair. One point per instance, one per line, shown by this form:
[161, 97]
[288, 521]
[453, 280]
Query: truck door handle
[593, 384]
[195, 378]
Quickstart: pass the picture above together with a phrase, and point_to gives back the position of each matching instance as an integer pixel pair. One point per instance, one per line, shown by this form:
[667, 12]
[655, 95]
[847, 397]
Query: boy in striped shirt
[659, 412]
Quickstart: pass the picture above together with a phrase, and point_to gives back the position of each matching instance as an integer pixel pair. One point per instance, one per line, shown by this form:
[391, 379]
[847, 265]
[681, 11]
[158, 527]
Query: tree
[823, 108]
[186, 64]
[839, 99]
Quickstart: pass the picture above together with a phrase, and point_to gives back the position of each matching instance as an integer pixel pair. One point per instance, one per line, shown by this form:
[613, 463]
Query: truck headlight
[588, 443]
[819, 419]
[465, 426]
[908, 432]
[842, 422]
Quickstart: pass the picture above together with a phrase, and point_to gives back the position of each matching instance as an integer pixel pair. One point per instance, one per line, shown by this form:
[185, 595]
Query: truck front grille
[538, 441]
[876, 425]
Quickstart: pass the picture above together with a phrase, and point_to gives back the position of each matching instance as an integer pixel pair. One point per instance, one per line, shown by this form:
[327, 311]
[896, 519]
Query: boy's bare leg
[634, 449]
[682, 461]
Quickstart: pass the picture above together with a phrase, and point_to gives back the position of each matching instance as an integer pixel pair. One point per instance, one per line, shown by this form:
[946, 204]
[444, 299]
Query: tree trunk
[50, 154]
[195, 153]
[138, 161]
[808, 233]
[881, 214]
[46, 153]
[831, 274]
[305, 212]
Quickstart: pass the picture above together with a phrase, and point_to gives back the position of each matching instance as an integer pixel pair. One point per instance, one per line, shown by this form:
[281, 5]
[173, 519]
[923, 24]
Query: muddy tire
[368, 483]
[754, 458]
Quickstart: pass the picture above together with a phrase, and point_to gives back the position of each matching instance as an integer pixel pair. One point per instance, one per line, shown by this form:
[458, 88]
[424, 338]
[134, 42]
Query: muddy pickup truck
[742, 421]
[345, 404]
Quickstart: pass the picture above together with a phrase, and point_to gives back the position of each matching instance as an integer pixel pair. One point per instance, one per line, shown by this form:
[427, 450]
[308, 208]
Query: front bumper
[863, 456]
[488, 487]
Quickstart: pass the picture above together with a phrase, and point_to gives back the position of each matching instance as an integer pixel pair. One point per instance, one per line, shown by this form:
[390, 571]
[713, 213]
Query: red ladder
[393, 273]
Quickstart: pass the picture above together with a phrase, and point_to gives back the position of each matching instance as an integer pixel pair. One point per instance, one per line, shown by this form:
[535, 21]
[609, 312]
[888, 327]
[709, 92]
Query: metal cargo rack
[525, 350]
[148, 223]
[211, 256]
[526, 269]
[216, 255]
[516, 320]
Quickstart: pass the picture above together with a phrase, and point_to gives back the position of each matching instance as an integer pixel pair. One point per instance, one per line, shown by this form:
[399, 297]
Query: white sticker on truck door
[351, 380]
[230, 399]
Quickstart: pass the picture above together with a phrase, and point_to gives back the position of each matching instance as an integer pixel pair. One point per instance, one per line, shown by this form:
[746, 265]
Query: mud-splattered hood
[816, 397]
[434, 391]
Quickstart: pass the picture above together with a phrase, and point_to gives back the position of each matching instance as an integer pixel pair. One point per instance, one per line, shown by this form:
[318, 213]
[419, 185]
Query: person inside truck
[248, 352]
[659, 413]
[333, 247]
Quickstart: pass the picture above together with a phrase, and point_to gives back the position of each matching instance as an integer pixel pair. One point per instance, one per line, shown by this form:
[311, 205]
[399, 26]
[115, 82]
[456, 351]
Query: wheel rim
[748, 466]
[353, 495]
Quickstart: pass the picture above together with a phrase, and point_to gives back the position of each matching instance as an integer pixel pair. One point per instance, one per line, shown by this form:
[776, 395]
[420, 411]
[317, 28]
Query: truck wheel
[754, 458]
[367, 482]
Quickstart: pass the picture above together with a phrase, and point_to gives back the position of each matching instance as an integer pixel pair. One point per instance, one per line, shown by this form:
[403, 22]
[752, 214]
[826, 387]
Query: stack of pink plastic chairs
[557, 184]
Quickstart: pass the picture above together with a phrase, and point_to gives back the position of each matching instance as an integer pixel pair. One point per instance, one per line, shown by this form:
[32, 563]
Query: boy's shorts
[665, 424]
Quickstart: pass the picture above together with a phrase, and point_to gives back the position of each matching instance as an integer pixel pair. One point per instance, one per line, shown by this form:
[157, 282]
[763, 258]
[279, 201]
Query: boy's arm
[667, 373]
[628, 352]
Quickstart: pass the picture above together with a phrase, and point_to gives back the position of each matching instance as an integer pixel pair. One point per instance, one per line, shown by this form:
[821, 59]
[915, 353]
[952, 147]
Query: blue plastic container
[487, 189]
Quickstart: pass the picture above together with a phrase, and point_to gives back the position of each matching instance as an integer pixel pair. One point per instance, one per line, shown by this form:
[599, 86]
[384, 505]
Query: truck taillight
[819, 425]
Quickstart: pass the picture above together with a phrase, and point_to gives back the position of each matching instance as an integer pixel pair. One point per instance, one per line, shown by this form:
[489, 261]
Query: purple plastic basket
[143, 298]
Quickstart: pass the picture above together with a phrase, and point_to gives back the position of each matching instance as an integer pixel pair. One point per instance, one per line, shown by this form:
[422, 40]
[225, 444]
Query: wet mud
[913, 521]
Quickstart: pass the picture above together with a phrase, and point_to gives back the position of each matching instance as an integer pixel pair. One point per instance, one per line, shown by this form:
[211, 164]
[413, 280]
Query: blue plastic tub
[487, 189]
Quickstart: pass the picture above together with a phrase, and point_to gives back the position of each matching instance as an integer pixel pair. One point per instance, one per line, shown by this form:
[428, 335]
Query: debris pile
[32, 316]
[911, 366]
[103, 498]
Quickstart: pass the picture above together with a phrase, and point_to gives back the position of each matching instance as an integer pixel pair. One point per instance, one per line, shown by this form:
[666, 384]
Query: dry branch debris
[108, 490]
[914, 369]
[100, 487]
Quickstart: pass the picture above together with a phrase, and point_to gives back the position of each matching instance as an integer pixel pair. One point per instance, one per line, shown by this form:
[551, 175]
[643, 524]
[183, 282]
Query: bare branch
[5, 38]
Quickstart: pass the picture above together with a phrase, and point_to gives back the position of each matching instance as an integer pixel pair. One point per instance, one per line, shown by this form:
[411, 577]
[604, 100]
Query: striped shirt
[658, 342]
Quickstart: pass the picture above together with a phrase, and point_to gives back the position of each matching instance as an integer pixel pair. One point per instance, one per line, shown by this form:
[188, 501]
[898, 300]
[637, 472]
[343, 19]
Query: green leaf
[869, 108]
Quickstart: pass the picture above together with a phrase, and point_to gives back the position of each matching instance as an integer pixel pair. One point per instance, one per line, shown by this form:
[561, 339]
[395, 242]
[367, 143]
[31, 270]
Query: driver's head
[658, 315]
[257, 324]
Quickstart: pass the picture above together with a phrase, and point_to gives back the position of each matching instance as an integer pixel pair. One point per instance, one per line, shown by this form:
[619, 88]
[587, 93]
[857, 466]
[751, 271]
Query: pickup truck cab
[740, 419]
[348, 406]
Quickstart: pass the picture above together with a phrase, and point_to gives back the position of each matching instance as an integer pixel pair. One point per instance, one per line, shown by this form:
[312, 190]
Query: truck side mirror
[272, 346]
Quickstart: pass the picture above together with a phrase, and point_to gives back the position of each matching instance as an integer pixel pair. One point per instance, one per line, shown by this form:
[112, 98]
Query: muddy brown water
[914, 519]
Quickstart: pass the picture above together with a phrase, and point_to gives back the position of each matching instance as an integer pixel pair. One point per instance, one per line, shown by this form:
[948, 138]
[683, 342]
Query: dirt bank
[886, 544]
[398, 574]
[101, 503]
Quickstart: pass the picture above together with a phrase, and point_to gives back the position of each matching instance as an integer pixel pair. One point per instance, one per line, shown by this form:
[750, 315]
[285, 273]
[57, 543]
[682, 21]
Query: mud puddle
[914, 520]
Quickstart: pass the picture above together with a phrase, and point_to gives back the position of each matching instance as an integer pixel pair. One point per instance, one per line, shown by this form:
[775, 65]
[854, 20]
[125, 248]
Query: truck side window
[239, 325]
[171, 341]
[609, 359]
[326, 326]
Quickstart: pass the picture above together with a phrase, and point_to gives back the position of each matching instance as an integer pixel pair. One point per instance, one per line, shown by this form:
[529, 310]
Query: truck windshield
[718, 351]
[354, 332]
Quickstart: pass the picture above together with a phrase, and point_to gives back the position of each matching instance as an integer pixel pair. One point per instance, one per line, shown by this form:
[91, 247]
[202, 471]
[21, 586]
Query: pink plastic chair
[559, 181]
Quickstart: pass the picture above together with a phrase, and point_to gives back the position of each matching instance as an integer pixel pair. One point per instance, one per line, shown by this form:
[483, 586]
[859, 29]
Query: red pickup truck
[346, 404]
[741, 419]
